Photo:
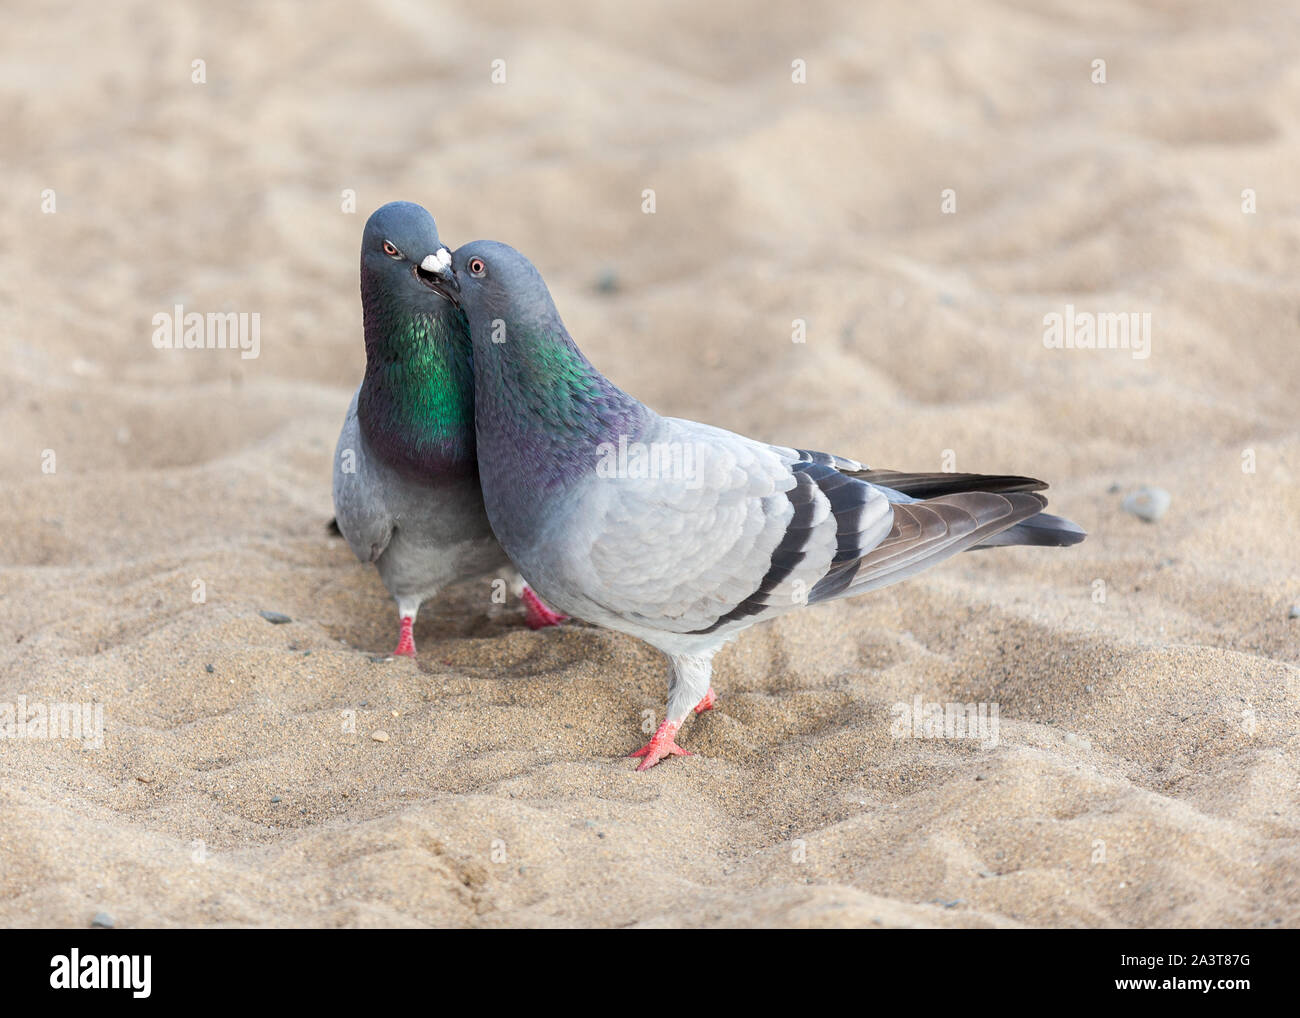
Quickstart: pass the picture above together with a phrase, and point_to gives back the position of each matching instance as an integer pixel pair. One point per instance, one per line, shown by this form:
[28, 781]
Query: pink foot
[539, 616]
[660, 746]
[710, 698]
[406, 642]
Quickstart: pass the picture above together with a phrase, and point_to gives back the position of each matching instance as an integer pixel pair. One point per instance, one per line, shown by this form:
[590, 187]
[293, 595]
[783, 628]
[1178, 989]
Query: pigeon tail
[1043, 531]
[931, 485]
[925, 533]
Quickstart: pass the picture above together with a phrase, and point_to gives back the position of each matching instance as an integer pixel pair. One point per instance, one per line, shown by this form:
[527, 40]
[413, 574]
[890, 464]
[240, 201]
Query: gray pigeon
[406, 492]
[680, 533]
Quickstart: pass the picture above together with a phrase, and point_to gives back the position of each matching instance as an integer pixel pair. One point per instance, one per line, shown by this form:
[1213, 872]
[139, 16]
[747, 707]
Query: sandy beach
[941, 182]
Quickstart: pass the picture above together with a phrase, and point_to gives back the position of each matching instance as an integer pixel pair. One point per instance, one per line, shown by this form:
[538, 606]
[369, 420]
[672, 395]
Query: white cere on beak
[439, 262]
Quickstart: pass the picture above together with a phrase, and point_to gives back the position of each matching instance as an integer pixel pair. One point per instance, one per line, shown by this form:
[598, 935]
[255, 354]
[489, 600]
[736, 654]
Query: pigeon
[406, 492]
[680, 533]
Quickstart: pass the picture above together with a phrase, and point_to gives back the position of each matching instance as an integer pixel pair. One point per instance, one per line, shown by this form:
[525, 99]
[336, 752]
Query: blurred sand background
[1147, 772]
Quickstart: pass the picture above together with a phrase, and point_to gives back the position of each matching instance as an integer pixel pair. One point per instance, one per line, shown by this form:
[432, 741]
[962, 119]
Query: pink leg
[660, 746]
[539, 616]
[406, 642]
[710, 698]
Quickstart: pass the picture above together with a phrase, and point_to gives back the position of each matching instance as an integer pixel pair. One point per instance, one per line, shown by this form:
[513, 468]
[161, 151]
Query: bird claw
[661, 745]
[538, 615]
[406, 641]
[710, 699]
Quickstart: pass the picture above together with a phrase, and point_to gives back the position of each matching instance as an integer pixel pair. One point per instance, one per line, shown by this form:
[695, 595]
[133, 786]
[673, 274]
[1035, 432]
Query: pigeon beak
[435, 273]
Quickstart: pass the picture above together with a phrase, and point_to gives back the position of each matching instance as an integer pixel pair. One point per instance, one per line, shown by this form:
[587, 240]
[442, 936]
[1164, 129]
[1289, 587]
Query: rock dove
[406, 492]
[680, 533]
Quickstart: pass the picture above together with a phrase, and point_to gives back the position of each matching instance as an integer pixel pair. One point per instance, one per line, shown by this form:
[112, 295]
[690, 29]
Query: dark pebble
[102, 921]
[275, 618]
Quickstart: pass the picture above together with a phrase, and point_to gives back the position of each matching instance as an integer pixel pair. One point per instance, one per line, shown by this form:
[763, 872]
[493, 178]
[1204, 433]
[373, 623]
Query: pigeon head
[416, 403]
[500, 290]
[402, 255]
[537, 397]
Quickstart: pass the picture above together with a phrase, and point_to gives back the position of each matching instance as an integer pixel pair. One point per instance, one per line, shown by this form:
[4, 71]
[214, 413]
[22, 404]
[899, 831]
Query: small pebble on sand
[1147, 503]
[379, 735]
[275, 618]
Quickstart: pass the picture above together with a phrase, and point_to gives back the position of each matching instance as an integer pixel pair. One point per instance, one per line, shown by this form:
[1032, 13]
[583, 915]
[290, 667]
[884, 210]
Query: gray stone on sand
[1148, 503]
[275, 618]
[102, 921]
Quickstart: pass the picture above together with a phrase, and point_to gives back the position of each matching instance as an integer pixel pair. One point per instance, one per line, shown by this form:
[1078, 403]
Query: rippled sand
[1146, 681]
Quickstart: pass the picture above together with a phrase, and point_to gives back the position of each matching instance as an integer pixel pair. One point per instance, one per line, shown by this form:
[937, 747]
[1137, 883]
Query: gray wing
[364, 519]
[760, 529]
[743, 522]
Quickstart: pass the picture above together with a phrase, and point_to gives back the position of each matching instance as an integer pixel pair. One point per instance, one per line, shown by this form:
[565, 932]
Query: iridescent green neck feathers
[416, 405]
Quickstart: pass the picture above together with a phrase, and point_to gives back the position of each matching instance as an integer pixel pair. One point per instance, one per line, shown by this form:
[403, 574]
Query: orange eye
[476, 267]
[391, 251]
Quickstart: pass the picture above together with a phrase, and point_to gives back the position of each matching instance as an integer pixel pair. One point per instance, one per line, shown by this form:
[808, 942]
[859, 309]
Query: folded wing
[756, 530]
